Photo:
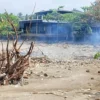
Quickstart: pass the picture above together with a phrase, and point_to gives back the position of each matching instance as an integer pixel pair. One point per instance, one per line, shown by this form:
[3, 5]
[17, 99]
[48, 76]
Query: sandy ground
[72, 74]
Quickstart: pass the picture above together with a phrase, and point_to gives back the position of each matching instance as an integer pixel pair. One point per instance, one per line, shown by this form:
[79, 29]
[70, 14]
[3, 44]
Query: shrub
[97, 55]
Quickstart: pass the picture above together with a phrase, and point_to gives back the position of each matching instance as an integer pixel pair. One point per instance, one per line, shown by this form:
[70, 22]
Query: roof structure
[40, 20]
[50, 11]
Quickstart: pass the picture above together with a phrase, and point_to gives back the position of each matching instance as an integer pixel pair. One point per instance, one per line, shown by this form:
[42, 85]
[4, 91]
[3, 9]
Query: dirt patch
[71, 74]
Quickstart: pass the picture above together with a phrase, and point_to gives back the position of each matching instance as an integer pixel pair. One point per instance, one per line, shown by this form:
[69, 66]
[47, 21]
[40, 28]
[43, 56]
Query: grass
[97, 55]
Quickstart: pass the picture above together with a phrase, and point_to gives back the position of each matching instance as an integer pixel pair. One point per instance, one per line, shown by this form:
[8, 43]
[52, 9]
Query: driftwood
[12, 63]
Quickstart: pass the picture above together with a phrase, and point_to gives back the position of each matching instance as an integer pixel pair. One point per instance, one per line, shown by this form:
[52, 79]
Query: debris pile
[40, 60]
[12, 63]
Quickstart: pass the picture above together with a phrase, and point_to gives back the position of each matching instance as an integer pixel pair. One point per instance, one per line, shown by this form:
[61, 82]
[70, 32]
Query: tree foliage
[82, 24]
[20, 16]
[4, 25]
[82, 27]
[61, 17]
[97, 55]
[93, 10]
[81, 21]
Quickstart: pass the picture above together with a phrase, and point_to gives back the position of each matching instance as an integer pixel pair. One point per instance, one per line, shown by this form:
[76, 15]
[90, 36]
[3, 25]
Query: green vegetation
[81, 21]
[5, 27]
[97, 55]
[69, 17]
[82, 27]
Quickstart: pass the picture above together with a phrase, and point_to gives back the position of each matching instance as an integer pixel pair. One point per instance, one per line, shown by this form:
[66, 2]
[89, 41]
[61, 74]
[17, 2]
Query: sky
[27, 6]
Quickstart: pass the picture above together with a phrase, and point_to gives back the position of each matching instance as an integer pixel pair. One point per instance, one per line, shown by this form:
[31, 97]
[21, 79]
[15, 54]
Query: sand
[71, 74]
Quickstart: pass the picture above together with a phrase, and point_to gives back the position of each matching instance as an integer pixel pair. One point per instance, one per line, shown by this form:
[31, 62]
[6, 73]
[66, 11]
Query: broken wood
[12, 63]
